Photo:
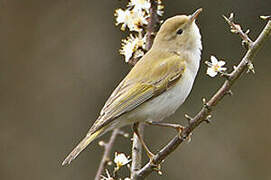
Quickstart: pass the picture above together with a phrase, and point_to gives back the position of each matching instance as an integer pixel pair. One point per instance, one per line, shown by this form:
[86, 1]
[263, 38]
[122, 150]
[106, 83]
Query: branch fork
[204, 114]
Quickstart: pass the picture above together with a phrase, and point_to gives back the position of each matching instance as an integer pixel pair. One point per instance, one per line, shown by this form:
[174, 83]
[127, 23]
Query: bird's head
[179, 33]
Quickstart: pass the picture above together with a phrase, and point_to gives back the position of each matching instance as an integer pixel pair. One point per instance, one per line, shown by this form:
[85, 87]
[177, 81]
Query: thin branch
[136, 152]
[153, 22]
[236, 28]
[107, 149]
[206, 110]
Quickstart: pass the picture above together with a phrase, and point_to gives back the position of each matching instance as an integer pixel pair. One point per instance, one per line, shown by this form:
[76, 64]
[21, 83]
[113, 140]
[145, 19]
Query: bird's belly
[165, 104]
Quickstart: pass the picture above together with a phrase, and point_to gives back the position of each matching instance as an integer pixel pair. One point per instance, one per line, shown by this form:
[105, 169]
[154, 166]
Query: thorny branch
[236, 28]
[204, 114]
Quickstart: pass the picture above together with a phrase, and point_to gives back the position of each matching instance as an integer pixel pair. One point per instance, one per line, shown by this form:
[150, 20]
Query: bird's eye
[180, 31]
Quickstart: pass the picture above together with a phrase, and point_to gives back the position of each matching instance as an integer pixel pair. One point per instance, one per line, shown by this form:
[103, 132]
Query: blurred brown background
[59, 62]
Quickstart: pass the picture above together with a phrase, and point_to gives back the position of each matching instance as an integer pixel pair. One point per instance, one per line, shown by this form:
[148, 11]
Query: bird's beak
[194, 16]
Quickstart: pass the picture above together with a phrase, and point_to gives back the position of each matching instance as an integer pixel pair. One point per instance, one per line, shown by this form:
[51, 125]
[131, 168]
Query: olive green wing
[139, 86]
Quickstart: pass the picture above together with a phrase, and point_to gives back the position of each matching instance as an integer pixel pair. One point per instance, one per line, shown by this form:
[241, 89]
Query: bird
[156, 86]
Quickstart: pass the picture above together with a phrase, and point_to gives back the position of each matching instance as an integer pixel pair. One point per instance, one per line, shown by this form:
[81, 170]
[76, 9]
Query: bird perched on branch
[156, 86]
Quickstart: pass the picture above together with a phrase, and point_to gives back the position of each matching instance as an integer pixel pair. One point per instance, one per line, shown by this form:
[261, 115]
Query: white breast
[167, 103]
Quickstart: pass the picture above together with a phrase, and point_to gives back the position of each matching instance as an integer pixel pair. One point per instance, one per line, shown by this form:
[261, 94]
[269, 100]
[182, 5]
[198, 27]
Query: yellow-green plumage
[142, 84]
[156, 86]
[135, 89]
[82, 145]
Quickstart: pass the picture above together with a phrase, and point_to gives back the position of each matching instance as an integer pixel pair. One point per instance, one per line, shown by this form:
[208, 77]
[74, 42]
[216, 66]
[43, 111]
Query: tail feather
[81, 146]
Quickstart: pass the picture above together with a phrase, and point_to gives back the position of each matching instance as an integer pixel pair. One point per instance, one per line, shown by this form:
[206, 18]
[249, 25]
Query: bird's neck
[193, 59]
[191, 50]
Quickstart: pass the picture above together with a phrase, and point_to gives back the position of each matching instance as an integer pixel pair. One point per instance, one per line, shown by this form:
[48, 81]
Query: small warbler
[156, 86]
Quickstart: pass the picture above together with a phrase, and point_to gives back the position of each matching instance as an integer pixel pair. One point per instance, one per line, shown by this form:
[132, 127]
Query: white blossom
[160, 8]
[140, 5]
[123, 17]
[128, 48]
[134, 20]
[215, 66]
[131, 45]
[138, 19]
[139, 53]
[120, 159]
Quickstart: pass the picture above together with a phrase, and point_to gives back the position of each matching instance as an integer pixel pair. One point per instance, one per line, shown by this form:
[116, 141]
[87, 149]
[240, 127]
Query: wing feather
[140, 85]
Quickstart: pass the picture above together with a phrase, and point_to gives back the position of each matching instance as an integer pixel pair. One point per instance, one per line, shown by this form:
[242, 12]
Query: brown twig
[107, 149]
[153, 22]
[236, 28]
[206, 110]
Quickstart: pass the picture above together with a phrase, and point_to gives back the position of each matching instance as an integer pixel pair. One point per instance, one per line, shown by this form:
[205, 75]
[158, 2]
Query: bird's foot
[178, 127]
